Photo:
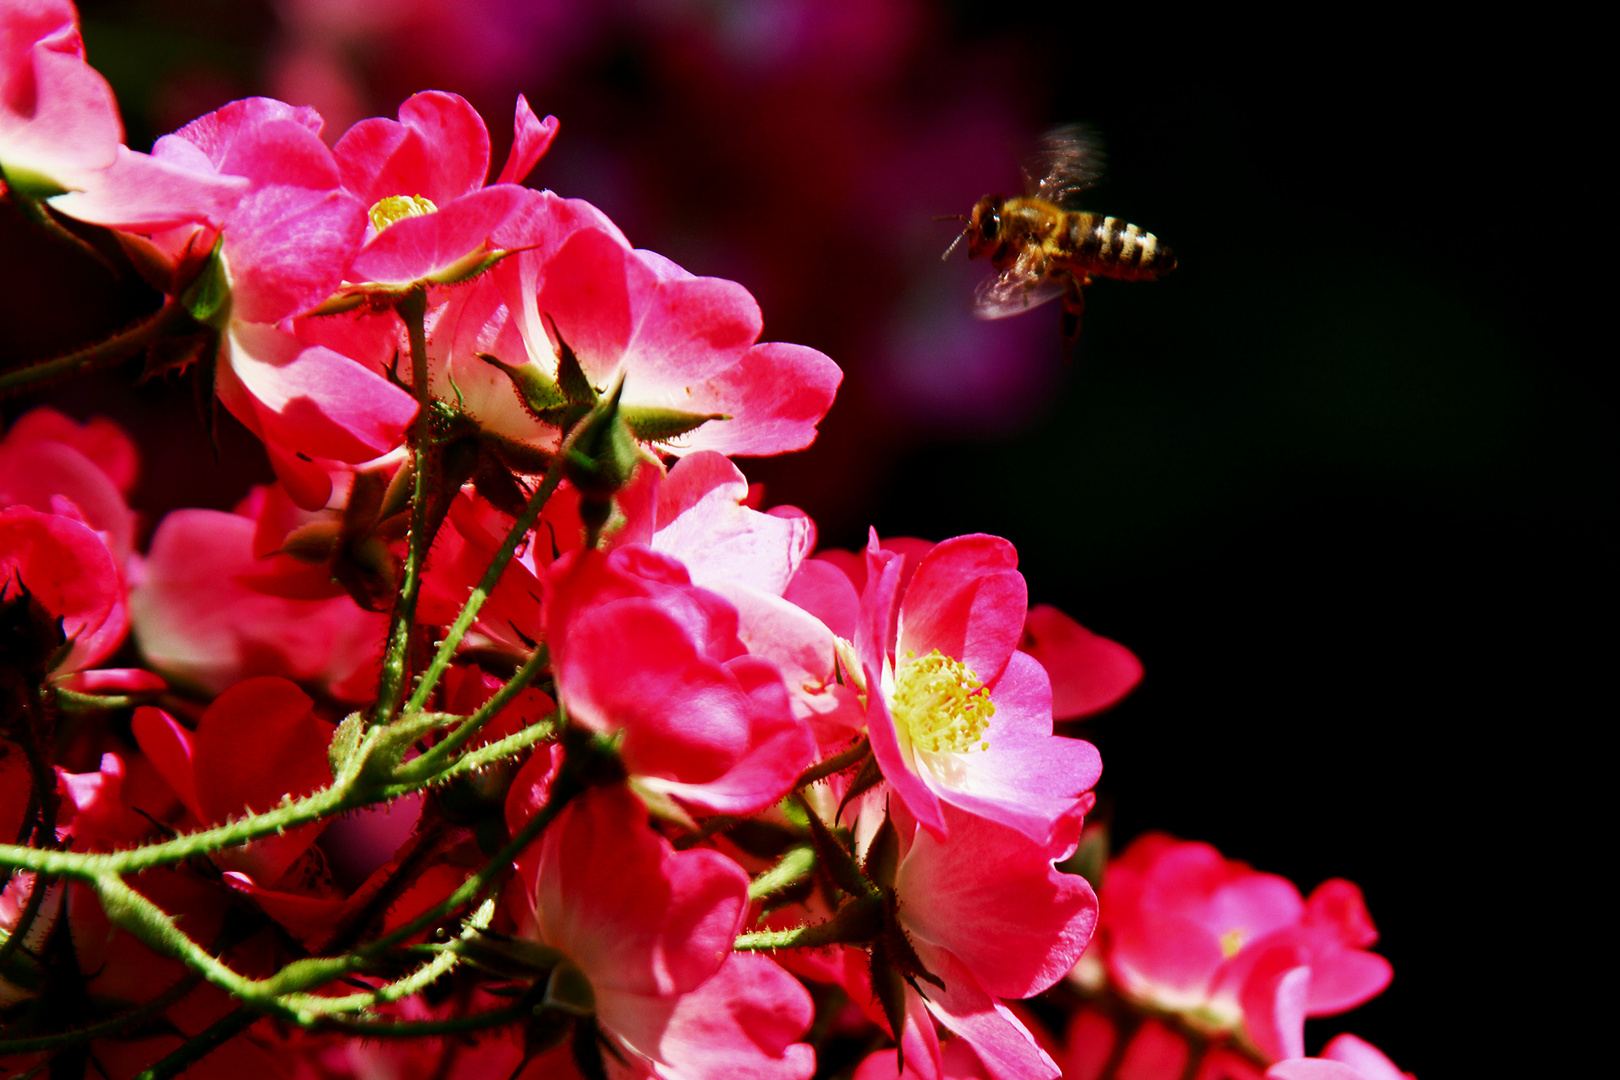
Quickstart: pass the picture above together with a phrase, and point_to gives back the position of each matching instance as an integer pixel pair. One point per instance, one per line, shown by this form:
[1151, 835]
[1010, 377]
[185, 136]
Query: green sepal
[650, 423]
[26, 184]
[345, 742]
[602, 455]
[882, 861]
[507, 956]
[467, 267]
[570, 376]
[889, 987]
[569, 991]
[869, 777]
[537, 391]
[840, 864]
[208, 297]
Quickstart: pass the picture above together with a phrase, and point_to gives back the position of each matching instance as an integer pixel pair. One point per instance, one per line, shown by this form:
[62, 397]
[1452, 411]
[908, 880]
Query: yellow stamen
[942, 703]
[398, 208]
[1231, 942]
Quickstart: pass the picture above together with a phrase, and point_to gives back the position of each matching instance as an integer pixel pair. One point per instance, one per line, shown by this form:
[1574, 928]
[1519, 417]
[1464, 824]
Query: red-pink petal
[172, 751]
[416, 248]
[1005, 1046]
[993, 898]
[71, 573]
[636, 916]
[1089, 672]
[531, 137]
[310, 400]
[439, 148]
[743, 1024]
[968, 600]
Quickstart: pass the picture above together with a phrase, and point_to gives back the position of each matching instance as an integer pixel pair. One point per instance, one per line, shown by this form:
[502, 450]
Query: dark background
[1336, 480]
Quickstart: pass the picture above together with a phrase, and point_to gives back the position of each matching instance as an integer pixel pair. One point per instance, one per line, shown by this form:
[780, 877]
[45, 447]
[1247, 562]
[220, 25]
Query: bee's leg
[1074, 303]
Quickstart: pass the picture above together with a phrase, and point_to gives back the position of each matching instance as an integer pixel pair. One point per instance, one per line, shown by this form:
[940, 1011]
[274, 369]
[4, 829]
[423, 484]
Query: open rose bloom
[510, 732]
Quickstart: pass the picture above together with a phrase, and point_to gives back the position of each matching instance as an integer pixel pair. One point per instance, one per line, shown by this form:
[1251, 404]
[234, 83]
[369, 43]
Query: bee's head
[984, 232]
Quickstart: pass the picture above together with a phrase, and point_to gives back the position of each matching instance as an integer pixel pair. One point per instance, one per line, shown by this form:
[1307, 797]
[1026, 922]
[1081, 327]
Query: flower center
[942, 703]
[1231, 942]
[398, 208]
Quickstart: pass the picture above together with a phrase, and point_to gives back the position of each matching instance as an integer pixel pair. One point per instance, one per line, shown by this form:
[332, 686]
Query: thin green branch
[198, 1046]
[835, 764]
[112, 350]
[433, 760]
[450, 1025]
[91, 866]
[412, 309]
[794, 866]
[309, 1005]
[486, 584]
[858, 921]
[47, 806]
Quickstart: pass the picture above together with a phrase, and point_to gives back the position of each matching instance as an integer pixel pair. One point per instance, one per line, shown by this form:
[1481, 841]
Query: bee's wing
[1069, 161]
[1013, 292]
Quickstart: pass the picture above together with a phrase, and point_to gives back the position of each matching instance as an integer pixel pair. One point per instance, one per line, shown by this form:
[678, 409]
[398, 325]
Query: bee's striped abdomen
[1100, 246]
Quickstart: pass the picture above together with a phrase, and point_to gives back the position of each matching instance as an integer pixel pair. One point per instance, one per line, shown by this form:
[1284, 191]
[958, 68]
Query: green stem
[432, 761]
[309, 1005]
[112, 350]
[835, 764]
[794, 866]
[412, 308]
[855, 923]
[90, 866]
[451, 1025]
[48, 807]
[486, 584]
[563, 791]
[198, 1046]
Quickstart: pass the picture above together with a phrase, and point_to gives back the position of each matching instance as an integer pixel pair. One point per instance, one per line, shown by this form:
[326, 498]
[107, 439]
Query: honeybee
[1042, 246]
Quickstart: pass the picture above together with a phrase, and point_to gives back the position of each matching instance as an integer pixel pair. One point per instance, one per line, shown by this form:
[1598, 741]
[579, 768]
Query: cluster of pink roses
[735, 746]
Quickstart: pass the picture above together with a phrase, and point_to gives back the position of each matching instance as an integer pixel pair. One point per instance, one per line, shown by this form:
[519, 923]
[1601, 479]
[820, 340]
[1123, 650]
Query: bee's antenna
[950, 217]
[952, 248]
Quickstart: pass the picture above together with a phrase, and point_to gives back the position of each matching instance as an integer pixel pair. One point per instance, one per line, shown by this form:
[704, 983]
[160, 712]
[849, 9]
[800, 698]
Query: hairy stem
[433, 760]
[198, 1046]
[796, 863]
[112, 350]
[856, 922]
[486, 584]
[412, 308]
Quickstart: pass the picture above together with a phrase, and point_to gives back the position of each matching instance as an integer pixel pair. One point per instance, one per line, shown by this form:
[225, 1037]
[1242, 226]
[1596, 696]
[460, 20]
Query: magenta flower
[651, 929]
[688, 347]
[422, 178]
[991, 918]
[1235, 950]
[638, 649]
[955, 712]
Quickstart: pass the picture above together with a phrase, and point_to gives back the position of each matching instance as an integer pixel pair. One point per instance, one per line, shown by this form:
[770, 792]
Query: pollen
[398, 208]
[1231, 942]
[942, 703]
